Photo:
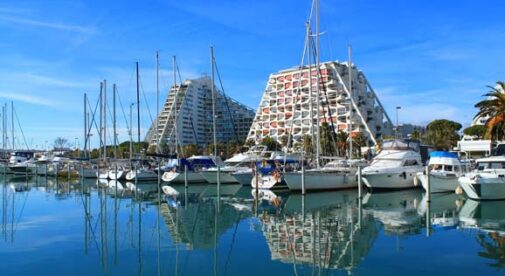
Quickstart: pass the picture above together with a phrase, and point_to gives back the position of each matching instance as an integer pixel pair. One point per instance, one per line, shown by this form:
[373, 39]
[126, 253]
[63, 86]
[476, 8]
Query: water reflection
[442, 211]
[196, 222]
[320, 230]
[489, 218]
[123, 228]
[397, 211]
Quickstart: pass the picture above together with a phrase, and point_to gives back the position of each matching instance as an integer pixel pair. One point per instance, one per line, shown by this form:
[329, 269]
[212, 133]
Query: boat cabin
[401, 144]
[492, 163]
[21, 156]
[447, 162]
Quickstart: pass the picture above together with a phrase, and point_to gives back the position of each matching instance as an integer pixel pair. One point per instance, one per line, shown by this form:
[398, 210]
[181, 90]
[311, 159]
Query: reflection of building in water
[327, 238]
[194, 224]
[397, 211]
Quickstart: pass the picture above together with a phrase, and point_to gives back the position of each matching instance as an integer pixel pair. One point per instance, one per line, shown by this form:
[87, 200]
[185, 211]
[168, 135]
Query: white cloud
[23, 97]
[37, 79]
[55, 26]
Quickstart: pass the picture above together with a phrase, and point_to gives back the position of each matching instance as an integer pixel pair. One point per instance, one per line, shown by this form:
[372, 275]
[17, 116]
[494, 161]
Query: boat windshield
[233, 163]
[387, 163]
[401, 145]
[490, 165]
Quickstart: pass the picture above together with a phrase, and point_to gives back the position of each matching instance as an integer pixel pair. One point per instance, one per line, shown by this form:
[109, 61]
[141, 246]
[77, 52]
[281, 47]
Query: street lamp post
[396, 129]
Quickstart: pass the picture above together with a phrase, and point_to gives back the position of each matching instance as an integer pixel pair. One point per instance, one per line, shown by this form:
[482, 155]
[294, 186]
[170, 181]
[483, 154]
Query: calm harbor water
[75, 228]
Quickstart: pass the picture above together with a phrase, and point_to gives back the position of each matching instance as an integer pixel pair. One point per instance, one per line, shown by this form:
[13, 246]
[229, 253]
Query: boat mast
[85, 125]
[157, 101]
[350, 95]
[105, 119]
[311, 99]
[213, 99]
[138, 106]
[318, 137]
[130, 132]
[12, 129]
[101, 121]
[114, 91]
[88, 135]
[3, 131]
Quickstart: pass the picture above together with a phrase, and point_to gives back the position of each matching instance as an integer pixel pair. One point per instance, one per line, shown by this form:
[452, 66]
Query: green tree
[493, 107]
[271, 143]
[442, 134]
[190, 150]
[416, 134]
[307, 144]
[476, 130]
[326, 140]
[233, 147]
[250, 143]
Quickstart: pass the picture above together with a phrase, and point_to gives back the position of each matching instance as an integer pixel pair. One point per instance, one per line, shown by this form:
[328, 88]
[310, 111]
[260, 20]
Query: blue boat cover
[443, 154]
[196, 163]
[267, 166]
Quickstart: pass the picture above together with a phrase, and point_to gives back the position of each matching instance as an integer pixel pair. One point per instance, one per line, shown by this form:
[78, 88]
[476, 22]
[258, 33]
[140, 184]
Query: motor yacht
[395, 167]
[445, 168]
[487, 181]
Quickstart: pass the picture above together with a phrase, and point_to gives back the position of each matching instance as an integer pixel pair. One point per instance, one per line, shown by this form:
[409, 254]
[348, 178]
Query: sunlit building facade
[186, 117]
[286, 106]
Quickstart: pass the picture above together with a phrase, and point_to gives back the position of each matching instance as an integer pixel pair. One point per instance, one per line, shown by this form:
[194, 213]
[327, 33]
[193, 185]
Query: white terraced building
[285, 105]
[193, 113]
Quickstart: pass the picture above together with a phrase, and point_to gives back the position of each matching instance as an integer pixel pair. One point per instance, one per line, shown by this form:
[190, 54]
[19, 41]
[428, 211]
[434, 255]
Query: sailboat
[339, 173]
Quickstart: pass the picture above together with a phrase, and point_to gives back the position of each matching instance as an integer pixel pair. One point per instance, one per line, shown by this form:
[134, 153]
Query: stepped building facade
[286, 106]
[186, 116]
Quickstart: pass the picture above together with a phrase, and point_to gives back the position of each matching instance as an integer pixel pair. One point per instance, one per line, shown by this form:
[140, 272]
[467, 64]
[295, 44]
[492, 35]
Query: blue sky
[433, 58]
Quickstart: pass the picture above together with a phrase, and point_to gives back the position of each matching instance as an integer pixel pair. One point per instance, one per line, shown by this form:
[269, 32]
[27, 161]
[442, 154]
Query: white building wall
[285, 104]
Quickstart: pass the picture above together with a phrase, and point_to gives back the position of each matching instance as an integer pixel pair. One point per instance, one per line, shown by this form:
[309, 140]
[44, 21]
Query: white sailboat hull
[243, 177]
[224, 176]
[117, 175]
[268, 182]
[141, 175]
[22, 169]
[318, 180]
[175, 177]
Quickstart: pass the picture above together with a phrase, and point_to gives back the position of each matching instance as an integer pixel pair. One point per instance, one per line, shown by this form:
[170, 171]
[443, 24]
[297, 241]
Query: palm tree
[493, 107]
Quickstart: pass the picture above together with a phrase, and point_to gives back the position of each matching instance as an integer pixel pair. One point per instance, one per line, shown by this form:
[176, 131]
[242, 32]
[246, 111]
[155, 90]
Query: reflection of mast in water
[16, 187]
[4, 211]
[103, 227]
[115, 218]
[216, 212]
[140, 238]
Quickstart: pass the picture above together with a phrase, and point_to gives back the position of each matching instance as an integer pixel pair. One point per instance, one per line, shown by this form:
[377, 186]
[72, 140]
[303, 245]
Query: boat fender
[416, 183]
[459, 190]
